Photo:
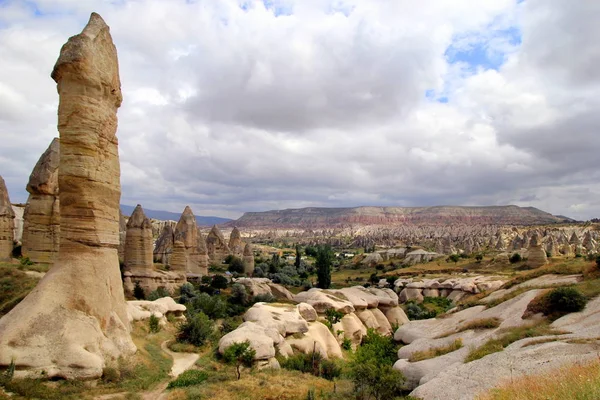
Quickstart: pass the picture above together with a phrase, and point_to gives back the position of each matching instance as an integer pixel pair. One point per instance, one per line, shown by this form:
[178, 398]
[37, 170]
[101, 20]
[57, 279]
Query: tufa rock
[41, 219]
[7, 215]
[75, 322]
[248, 260]
[216, 246]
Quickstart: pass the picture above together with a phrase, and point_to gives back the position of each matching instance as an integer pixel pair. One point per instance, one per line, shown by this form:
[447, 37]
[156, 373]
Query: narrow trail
[181, 362]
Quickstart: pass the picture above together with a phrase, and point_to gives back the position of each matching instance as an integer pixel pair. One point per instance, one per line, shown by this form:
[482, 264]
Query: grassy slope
[573, 382]
[15, 284]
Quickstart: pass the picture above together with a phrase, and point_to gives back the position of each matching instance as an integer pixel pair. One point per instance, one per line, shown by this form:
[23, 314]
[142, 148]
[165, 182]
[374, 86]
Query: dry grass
[435, 351]
[14, 286]
[573, 382]
[268, 384]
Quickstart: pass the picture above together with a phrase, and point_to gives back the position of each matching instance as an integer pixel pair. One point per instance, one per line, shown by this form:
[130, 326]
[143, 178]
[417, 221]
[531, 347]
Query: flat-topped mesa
[216, 245]
[7, 215]
[41, 219]
[75, 322]
[248, 260]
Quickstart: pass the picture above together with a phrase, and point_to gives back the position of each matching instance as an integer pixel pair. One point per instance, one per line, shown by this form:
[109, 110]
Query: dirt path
[181, 362]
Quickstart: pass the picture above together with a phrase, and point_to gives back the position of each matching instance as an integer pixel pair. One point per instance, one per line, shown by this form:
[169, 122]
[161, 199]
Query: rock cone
[41, 220]
[75, 321]
[7, 216]
[216, 245]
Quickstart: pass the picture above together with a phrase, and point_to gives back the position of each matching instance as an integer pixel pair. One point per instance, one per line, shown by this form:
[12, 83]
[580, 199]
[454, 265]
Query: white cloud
[234, 109]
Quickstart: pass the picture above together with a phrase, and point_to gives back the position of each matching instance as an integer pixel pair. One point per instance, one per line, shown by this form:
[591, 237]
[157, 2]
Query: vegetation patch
[431, 307]
[190, 377]
[312, 363]
[14, 286]
[574, 382]
[556, 303]
[508, 337]
[436, 351]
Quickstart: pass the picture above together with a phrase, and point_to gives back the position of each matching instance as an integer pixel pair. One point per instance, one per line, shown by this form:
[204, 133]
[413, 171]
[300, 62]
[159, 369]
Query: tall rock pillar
[41, 219]
[75, 321]
[7, 215]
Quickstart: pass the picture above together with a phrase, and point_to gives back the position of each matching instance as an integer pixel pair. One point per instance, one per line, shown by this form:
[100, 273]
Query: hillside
[311, 218]
[167, 215]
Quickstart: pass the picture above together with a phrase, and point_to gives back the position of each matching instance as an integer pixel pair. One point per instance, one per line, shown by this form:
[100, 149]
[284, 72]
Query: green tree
[274, 265]
[196, 329]
[236, 265]
[239, 354]
[323, 265]
[454, 258]
[298, 257]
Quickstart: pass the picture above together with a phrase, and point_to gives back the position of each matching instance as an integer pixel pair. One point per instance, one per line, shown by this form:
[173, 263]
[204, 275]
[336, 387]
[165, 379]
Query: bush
[154, 324]
[212, 306]
[371, 370]
[332, 316]
[239, 354]
[239, 295]
[346, 344]
[110, 375]
[236, 265]
[479, 257]
[219, 282]
[187, 293]
[138, 291]
[190, 377]
[566, 300]
[312, 363]
[453, 258]
[25, 261]
[196, 330]
[598, 261]
[158, 293]
[263, 298]
[515, 258]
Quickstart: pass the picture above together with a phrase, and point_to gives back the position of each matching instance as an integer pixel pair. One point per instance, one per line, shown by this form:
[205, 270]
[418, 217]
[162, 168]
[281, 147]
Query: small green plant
[159, 293]
[25, 261]
[453, 258]
[7, 375]
[138, 291]
[154, 324]
[346, 344]
[239, 354]
[190, 377]
[111, 375]
[598, 261]
[566, 300]
[332, 316]
[310, 395]
[479, 257]
[312, 363]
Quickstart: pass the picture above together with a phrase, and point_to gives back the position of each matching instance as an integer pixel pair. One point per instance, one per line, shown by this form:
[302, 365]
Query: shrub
[312, 363]
[186, 293]
[219, 282]
[379, 267]
[190, 377]
[598, 261]
[429, 308]
[7, 375]
[25, 261]
[236, 265]
[346, 344]
[566, 300]
[154, 324]
[158, 293]
[263, 298]
[515, 258]
[333, 316]
[453, 258]
[110, 375]
[196, 330]
[479, 257]
[212, 306]
[138, 291]
[239, 295]
[239, 354]
[230, 324]
[371, 370]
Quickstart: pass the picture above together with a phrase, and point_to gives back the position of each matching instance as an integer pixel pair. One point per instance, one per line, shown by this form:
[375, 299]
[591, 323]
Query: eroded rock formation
[248, 259]
[216, 245]
[7, 216]
[236, 246]
[41, 219]
[75, 322]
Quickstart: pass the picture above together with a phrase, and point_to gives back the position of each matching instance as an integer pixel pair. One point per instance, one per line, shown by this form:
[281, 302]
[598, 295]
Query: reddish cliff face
[314, 218]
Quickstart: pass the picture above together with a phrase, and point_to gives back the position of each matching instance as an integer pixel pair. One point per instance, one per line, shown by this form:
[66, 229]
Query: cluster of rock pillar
[7, 216]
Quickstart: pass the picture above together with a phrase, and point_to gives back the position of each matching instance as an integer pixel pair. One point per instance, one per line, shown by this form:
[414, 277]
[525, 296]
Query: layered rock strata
[7, 216]
[41, 219]
[75, 322]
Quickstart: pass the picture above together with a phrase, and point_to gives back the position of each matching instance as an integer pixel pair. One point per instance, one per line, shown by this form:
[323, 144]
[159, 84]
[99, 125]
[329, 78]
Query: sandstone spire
[7, 216]
[138, 241]
[75, 322]
[535, 253]
[216, 246]
[41, 220]
[248, 259]
[235, 242]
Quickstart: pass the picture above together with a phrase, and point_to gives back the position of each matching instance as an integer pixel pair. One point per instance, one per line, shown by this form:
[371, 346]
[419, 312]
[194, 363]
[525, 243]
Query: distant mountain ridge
[167, 215]
[320, 217]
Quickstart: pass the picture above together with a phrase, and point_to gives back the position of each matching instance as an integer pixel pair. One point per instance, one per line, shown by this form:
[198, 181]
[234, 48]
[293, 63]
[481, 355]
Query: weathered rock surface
[75, 321]
[264, 286]
[236, 246]
[139, 265]
[19, 210]
[248, 259]
[142, 309]
[41, 219]
[536, 253]
[216, 245]
[163, 248]
[7, 216]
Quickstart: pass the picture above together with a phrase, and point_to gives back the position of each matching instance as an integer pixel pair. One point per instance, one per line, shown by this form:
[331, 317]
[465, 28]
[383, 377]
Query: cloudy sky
[241, 105]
